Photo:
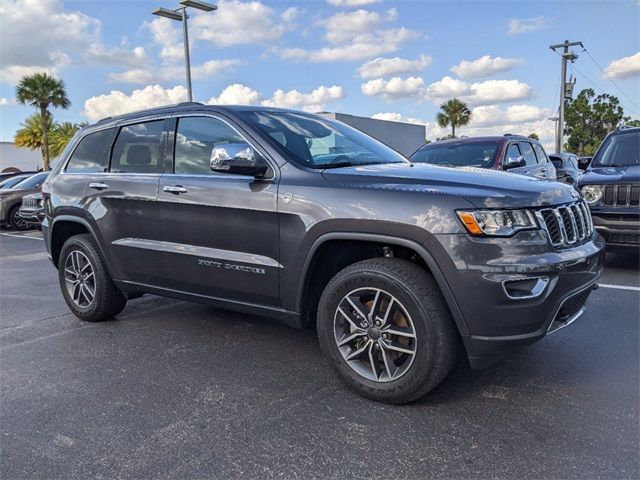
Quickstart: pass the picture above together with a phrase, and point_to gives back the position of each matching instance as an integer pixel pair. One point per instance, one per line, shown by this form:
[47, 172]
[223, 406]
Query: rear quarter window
[90, 155]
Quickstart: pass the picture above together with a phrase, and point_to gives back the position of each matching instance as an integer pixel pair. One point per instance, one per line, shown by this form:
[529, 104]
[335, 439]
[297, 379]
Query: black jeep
[611, 188]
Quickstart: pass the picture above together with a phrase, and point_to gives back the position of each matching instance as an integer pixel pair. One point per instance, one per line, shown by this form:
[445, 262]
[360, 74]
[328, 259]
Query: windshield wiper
[352, 164]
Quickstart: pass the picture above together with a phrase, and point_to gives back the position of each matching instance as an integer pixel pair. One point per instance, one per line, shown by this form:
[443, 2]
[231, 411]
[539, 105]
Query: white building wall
[403, 137]
[23, 159]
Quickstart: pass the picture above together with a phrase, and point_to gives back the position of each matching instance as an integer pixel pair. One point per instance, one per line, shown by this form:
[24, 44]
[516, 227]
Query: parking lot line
[21, 236]
[619, 287]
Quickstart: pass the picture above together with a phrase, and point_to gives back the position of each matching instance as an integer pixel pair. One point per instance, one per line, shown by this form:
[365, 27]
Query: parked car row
[12, 192]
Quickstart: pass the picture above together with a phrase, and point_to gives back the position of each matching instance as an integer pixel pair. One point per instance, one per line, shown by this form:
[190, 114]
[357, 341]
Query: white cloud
[484, 66]
[480, 93]
[99, 53]
[36, 35]
[157, 74]
[117, 102]
[382, 67]
[351, 3]
[518, 26]
[313, 101]
[236, 94]
[4, 101]
[625, 67]
[493, 115]
[168, 36]
[448, 88]
[361, 46]
[395, 87]
[344, 26]
[242, 23]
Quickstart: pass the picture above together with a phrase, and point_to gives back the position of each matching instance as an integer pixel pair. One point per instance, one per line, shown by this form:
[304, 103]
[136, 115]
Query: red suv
[515, 153]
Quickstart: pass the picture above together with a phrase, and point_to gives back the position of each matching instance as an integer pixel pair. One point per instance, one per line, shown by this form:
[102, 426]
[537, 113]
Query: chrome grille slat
[566, 225]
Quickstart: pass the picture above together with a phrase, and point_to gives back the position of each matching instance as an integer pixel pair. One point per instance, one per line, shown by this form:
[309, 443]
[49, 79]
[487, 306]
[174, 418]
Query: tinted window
[527, 152]
[476, 154]
[619, 151]
[195, 139]
[138, 148]
[513, 152]
[90, 154]
[542, 156]
[32, 182]
[319, 142]
[557, 161]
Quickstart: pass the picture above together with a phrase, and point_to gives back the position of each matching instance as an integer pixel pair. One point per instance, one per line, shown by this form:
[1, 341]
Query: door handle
[175, 189]
[98, 186]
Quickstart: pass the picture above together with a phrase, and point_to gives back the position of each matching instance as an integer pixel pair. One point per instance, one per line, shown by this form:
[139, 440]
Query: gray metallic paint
[397, 204]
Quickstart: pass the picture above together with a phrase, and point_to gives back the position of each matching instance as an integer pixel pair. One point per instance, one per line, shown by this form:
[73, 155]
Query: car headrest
[139, 155]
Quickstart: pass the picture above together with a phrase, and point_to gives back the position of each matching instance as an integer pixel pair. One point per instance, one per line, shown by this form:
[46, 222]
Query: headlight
[592, 193]
[497, 223]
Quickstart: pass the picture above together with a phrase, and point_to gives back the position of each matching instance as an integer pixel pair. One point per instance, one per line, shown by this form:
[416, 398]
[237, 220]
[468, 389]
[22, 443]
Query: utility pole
[566, 56]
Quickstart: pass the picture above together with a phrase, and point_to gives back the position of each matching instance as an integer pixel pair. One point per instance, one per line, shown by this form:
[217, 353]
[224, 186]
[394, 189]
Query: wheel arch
[424, 254]
[64, 227]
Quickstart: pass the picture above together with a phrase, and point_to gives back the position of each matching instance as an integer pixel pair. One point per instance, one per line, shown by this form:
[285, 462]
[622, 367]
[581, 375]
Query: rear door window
[138, 148]
[540, 153]
[513, 152]
[528, 153]
[90, 155]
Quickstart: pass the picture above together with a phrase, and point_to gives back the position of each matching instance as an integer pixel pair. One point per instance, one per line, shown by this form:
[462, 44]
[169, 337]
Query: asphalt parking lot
[178, 390]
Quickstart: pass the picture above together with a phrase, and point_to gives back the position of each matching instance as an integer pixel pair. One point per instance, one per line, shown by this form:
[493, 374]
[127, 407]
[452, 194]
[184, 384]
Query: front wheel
[16, 221]
[386, 330]
[85, 282]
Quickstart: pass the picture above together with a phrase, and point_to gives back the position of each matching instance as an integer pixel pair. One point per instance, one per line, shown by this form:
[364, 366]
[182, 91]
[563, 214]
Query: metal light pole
[180, 15]
[566, 56]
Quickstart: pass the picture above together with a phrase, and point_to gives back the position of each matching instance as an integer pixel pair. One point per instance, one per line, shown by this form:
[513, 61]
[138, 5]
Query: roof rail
[153, 109]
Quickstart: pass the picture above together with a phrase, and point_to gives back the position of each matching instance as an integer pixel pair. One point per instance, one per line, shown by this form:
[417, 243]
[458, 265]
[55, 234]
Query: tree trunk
[453, 130]
[44, 122]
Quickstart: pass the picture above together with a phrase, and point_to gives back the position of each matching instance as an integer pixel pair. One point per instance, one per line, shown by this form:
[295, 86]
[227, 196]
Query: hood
[609, 175]
[484, 188]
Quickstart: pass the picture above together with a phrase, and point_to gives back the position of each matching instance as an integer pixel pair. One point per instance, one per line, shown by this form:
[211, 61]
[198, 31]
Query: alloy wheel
[375, 334]
[79, 278]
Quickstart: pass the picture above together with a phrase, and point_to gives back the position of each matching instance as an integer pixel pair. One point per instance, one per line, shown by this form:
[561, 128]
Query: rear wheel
[386, 330]
[85, 282]
[16, 221]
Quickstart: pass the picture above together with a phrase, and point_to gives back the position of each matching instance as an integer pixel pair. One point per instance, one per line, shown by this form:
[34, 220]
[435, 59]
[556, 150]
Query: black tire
[14, 221]
[436, 337]
[108, 301]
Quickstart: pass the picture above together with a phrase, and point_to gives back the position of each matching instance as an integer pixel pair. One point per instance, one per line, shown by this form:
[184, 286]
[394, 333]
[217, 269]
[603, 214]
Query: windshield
[32, 182]
[618, 151]
[477, 154]
[10, 182]
[318, 142]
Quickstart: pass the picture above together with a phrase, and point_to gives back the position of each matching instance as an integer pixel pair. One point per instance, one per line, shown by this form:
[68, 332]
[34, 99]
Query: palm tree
[41, 90]
[61, 135]
[30, 135]
[455, 113]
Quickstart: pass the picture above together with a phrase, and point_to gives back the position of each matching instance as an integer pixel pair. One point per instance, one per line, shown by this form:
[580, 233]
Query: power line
[598, 87]
[608, 77]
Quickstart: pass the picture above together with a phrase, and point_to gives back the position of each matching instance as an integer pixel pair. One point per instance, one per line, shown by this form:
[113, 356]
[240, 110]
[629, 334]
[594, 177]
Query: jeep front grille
[566, 225]
[621, 196]
[29, 202]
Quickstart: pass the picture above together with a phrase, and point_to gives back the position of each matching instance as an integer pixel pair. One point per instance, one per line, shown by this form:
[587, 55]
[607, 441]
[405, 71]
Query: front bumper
[485, 274]
[32, 216]
[620, 227]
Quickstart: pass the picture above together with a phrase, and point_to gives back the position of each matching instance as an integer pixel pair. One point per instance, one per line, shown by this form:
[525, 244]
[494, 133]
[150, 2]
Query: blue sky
[394, 60]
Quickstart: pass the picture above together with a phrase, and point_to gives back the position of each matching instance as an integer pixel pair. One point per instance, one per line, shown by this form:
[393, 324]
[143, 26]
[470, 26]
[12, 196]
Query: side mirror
[517, 162]
[583, 162]
[238, 159]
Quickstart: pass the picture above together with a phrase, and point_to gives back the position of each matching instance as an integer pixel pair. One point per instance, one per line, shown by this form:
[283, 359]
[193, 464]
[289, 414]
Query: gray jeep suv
[292, 215]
